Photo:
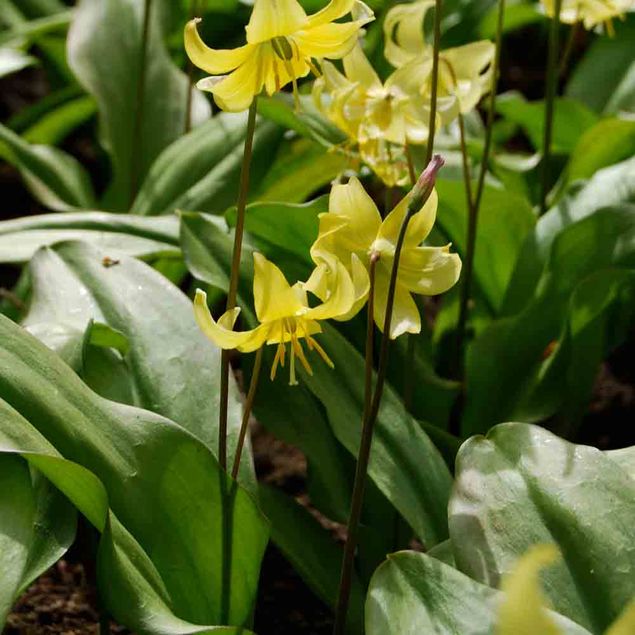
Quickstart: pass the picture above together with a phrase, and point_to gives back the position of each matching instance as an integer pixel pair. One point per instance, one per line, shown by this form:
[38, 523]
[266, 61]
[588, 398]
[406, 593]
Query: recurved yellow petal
[221, 333]
[333, 40]
[340, 298]
[429, 270]
[419, 226]
[274, 298]
[359, 69]
[403, 31]
[332, 11]
[405, 314]
[523, 611]
[274, 18]
[216, 62]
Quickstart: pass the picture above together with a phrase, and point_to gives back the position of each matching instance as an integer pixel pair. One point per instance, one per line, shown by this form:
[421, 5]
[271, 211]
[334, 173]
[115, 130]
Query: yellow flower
[284, 315]
[281, 42]
[352, 230]
[464, 71]
[590, 12]
[380, 117]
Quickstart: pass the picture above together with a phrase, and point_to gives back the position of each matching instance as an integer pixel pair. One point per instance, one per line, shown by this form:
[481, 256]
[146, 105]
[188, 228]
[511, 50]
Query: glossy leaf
[201, 170]
[152, 473]
[55, 178]
[104, 44]
[20, 238]
[522, 485]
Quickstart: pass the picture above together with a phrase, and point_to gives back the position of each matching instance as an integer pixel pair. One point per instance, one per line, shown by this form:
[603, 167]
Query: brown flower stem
[550, 98]
[357, 499]
[411, 164]
[233, 279]
[419, 195]
[137, 137]
[253, 386]
[432, 122]
[568, 49]
[473, 209]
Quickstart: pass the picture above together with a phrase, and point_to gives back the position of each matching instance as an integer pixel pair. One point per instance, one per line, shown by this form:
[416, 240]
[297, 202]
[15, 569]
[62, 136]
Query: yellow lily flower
[352, 231]
[464, 71]
[590, 12]
[281, 43]
[284, 315]
[380, 117]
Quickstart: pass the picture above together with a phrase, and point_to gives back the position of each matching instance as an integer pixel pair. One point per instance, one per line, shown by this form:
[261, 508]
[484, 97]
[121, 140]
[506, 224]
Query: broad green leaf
[13, 60]
[32, 30]
[37, 525]
[522, 485]
[625, 458]
[611, 186]
[405, 465]
[55, 178]
[412, 593]
[201, 170]
[174, 369]
[31, 114]
[608, 142]
[505, 219]
[508, 358]
[604, 79]
[151, 473]
[104, 44]
[571, 120]
[311, 550]
[116, 234]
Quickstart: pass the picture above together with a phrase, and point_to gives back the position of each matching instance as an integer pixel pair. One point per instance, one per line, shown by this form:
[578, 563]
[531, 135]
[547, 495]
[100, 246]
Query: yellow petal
[332, 11]
[221, 333]
[216, 62]
[274, 18]
[353, 203]
[333, 40]
[625, 623]
[277, 72]
[403, 31]
[405, 314]
[359, 69]
[419, 226]
[236, 91]
[274, 298]
[429, 270]
[523, 610]
[340, 294]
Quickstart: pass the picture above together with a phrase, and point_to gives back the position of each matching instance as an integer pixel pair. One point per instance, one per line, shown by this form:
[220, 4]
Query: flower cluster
[590, 12]
[350, 234]
[382, 119]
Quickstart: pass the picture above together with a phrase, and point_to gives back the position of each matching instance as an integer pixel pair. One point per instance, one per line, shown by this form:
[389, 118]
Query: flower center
[282, 48]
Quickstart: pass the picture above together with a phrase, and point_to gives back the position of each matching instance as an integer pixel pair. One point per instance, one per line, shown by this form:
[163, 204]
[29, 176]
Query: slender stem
[104, 623]
[363, 456]
[233, 280]
[550, 97]
[137, 140]
[190, 76]
[420, 194]
[438, 8]
[411, 164]
[253, 386]
[473, 209]
[568, 49]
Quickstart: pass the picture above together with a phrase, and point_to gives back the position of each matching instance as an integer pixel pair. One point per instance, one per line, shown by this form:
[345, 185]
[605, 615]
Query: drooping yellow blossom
[590, 12]
[464, 71]
[352, 231]
[378, 117]
[281, 43]
[284, 315]
[523, 611]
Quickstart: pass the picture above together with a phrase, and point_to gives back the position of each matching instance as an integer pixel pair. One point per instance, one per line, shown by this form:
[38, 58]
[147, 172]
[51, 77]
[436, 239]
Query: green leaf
[517, 14]
[625, 458]
[31, 30]
[13, 60]
[522, 485]
[505, 219]
[104, 44]
[311, 550]
[55, 178]
[611, 186]
[412, 593]
[508, 358]
[152, 473]
[37, 525]
[174, 369]
[116, 234]
[201, 170]
[571, 119]
[604, 80]
[609, 141]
